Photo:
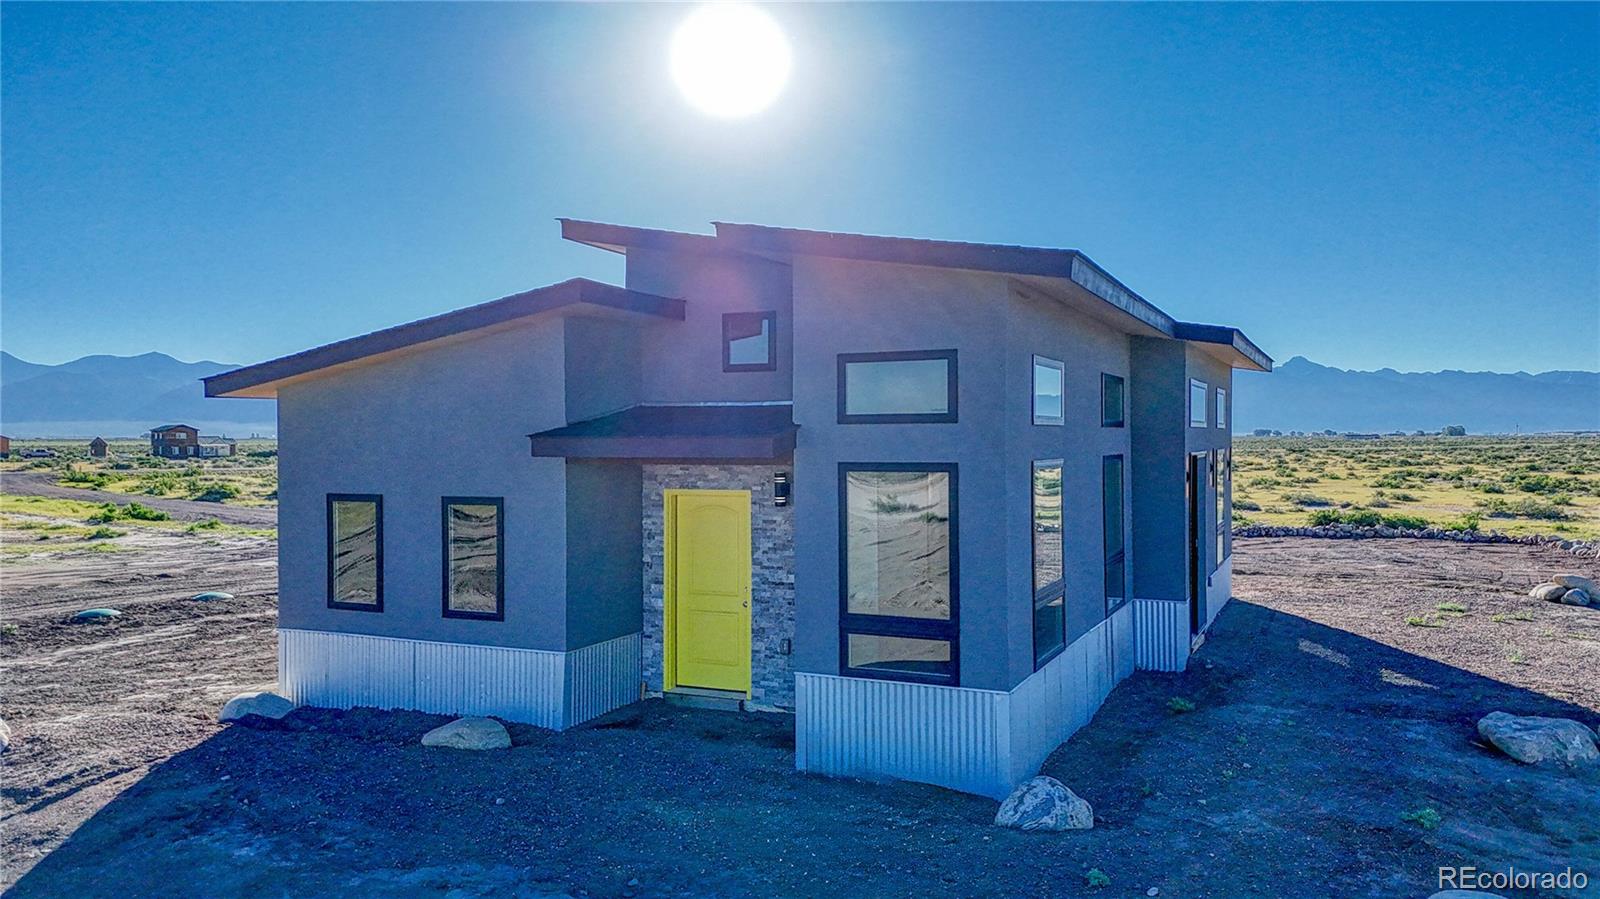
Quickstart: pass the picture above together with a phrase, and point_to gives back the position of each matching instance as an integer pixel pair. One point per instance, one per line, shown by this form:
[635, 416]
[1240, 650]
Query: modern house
[936, 498]
[174, 441]
[210, 447]
[98, 448]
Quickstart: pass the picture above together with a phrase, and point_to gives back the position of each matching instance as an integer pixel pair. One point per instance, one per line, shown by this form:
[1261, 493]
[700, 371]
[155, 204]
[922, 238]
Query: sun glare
[730, 59]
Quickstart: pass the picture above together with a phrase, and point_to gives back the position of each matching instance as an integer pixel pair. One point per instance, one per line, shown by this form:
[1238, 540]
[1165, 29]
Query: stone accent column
[771, 571]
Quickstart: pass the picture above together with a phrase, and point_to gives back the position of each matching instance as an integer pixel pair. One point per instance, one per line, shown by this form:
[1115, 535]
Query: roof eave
[1244, 353]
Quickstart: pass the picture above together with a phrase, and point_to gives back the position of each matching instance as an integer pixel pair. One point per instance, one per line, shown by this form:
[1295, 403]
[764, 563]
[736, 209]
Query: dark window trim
[377, 500]
[1122, 408]
[1205, 405]
[1121, 556]
[771, 318]
[1222, 469]
[952, 382]
[1033, 399]
[1058, 587]
[891, 626]
[499, 502]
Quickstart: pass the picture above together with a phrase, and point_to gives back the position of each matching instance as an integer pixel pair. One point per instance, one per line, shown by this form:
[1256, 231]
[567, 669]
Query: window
[1112, 531]
[749, 342]
[474, 557]
[355, 551]
[1197, 404]
[1112, 414]
[1222, 408]
[1222, 477]
[1048, 377]
[886, 388]
[898, 571]
[1049, 595]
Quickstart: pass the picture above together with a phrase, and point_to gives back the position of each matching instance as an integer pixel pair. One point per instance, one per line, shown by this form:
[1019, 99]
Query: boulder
[1044, 803]
[469, 733]
[1576, 597]
[1577, 582]
[1531, 739]
[262, 704]
[1548, 592]
[211, 596]
[96, 615]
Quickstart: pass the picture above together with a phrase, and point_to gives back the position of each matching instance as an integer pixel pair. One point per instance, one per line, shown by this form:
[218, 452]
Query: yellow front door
[707, 589]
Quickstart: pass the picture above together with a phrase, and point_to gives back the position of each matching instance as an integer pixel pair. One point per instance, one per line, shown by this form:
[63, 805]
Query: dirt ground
[1319, 719]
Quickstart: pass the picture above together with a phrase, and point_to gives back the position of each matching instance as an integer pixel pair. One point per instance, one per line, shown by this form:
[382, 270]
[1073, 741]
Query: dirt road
[38, 483]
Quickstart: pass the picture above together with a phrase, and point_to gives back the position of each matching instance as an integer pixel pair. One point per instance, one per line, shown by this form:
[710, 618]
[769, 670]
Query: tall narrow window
[749, 341]
[474, 557]
[1049, 376]
[898, 571]
[1049, 595]
[1222, 408]
[1111, 502]
[1197, 403]
[1112, 405]
[900, 387]
[1223, 478]
[355, 551]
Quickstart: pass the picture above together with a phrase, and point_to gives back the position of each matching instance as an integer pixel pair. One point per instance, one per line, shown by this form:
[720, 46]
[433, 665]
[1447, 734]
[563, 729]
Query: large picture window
[898, 571]
[1113, 412]
[355, 551]
[902, 387]
[474, 557]
[1113, 532]
[1197, 403]
[749, 341]
[1049, 594]
[1049, 379]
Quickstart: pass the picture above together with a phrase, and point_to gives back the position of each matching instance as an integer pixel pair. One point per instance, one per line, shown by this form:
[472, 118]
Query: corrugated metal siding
[976, 741]
[549, 689]
[1161, 630]
[858, 727]
[603, 677]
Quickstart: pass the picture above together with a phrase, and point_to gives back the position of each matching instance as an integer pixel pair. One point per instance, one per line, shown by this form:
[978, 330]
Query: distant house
[5, 447]
[215, 447]
[98, 448]
[174, 442]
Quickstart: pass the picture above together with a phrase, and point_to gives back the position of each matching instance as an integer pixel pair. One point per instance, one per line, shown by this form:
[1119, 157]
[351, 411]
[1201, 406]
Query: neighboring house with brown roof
[98, 448]
[935, 498]
[174, 441]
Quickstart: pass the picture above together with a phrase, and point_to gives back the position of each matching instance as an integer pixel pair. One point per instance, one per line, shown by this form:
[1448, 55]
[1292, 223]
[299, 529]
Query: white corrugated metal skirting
[976, 741]
[545, 688]
[1161, 628]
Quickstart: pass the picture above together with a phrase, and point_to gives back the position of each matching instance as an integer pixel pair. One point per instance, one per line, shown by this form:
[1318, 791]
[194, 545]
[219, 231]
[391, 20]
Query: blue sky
[1412, 186]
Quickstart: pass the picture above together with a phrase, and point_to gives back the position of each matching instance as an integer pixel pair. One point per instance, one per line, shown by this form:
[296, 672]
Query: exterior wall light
[780, 488]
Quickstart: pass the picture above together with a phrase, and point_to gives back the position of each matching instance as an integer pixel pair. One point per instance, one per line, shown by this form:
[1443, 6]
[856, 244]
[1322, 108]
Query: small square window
[1112, 405]
[1197, 403]
[1049, 376]
[749, 341]
[1222, 408]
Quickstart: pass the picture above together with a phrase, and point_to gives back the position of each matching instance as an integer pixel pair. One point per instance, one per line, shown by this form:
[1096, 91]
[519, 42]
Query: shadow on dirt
[1305, 747]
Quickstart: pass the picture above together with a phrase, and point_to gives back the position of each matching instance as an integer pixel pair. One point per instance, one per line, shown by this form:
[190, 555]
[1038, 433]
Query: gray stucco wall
[683, 360]
[1039, 325]
[1157, 410]
[772, 596]
[604, 536]
[449, 420]
[601, 367]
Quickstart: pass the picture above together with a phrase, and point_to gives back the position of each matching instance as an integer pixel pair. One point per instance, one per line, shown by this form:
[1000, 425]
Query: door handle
[747, 603]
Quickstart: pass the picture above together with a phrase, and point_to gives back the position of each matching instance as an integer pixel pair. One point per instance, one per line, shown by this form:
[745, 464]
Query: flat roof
[1044, 262]
[262, 379]
[722, 431]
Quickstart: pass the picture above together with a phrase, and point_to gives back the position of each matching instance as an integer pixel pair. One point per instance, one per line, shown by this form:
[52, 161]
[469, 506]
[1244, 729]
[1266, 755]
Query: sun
[730, 59]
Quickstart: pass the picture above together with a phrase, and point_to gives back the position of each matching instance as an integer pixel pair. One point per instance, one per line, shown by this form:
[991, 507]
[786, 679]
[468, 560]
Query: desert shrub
[1321, 517]
[1178, 705]
[1362, 518]
[1425, 818]
[1307, 499]
[210, 524]
[1527, 507]
[1246, 505]
[216, 493]
[1467, 522]
[1408, 522]
[1263, 483]
[84, 478]
[103, 533]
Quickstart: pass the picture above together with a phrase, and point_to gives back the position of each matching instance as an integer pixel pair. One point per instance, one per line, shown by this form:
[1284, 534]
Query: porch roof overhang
[701, 432]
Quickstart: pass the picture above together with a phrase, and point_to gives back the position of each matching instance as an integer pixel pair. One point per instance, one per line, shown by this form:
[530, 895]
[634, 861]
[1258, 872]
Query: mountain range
[124, 395]
[1304, 396]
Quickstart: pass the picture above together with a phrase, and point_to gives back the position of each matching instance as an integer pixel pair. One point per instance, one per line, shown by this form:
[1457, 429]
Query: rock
[1576, 597]
[97, 615]
[211, 596]
[5, 736]
[469, 733]
[1531, 739]
[1044, 803]
[1548, 592]
[263, 704]
[1577, 582]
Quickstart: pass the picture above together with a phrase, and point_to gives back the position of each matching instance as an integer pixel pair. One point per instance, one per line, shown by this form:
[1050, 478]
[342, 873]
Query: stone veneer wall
[771, 571]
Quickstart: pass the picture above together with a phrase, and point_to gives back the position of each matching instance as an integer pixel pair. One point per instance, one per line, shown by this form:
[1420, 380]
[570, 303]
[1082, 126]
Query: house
[174, 442]
[5, 447]
[98, 448]
[935, 498]
[207, 447]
